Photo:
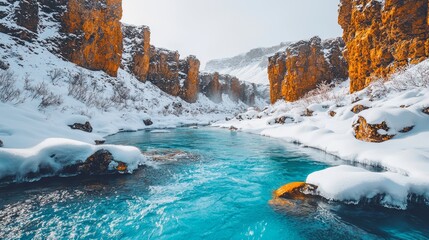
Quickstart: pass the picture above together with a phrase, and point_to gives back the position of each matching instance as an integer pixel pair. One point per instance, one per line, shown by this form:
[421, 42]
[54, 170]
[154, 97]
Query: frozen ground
[405, 158]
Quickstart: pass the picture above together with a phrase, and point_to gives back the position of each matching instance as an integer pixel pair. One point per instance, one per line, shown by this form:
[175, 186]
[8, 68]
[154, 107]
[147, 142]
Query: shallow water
[217, 187]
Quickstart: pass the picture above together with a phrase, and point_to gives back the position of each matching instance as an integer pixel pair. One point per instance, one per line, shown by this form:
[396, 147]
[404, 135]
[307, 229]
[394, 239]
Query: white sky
[213, 29]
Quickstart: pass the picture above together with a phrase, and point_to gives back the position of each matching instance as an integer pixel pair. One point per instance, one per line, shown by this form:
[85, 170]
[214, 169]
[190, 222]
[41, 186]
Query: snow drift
[55, 154]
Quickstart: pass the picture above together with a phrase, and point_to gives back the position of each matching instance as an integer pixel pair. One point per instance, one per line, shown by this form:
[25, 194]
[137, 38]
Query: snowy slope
[404, 159]
[251, 66]
[52, 93]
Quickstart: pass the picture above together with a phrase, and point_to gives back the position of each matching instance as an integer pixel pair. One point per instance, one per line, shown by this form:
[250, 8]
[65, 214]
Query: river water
[206, 184]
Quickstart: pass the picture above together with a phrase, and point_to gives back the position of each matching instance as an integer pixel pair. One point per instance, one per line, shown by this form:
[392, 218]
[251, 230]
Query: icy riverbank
[325, 121]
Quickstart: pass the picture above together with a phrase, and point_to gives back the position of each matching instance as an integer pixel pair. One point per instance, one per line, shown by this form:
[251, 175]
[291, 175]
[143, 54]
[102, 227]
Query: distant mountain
[251, 66]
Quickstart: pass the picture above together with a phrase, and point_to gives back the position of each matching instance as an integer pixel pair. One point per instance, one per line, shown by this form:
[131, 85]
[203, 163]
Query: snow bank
[399, 103]
[354, 185]
[56, 153]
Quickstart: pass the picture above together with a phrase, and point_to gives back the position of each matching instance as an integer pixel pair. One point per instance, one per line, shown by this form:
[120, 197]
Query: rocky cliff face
[136, 55]
[210, 86]
[190, 88]
[214, 85]
[27, 15]
[303, 66]
[89, 34]
[93, 34]
[85, 32]
[382, 36]
[162, 67]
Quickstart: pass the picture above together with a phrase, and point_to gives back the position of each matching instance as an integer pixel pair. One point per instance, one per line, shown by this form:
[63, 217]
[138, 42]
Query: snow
[56, 153]
[25, 123]
[33, 130]
[250, 67]
[405, 158]
[350, 184]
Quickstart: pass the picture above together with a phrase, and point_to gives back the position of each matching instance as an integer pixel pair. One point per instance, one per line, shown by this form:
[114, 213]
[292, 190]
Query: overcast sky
[213, 29]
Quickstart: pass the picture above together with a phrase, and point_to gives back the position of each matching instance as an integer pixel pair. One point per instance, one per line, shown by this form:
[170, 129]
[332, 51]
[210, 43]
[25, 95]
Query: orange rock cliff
[91, 35]
[162, 67]
[303, 66]
[382, 36]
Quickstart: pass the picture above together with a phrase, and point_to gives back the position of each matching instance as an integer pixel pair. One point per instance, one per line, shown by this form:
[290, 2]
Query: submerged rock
[371, 132]
[295, 190]
[83, 127]
[170, 155]
[1, 143]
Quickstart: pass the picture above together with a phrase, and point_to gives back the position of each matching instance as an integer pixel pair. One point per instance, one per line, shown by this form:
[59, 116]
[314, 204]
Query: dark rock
[282, 119]
[3, 65]
[83, 127]
[359, 108]
[98, 163]
[332, 113]
[148, 122]
[27, 15]
[232, 128]
[407, 129]
[100, 142]
[426, 111]
[307, 113]
[1, 143]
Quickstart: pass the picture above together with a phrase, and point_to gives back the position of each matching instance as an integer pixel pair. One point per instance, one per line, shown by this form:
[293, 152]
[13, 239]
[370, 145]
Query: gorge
[104, 134]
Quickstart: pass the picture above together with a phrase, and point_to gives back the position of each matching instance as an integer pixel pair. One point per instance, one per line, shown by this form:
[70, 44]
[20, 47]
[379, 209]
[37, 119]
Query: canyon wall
[383, 36]
[215, 85]
[93, 34]
[303, 66]
[89, 34]
[162, 67]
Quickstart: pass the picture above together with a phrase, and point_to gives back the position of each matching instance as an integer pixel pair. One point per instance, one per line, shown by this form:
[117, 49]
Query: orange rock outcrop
[211, 87]
[190, 87]
[383, 36]
[93, 34]
[303, 66]
[371, 132]
[136, 56]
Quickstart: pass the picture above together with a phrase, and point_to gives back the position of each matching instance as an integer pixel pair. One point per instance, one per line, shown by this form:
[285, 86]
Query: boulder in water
[294, 190]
